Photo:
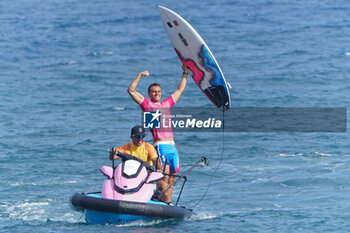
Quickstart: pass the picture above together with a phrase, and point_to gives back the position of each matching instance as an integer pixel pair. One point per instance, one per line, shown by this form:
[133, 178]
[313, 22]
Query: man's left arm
[180, 89]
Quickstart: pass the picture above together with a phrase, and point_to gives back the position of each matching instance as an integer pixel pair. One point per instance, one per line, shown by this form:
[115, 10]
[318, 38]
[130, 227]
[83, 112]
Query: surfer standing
[163, 139]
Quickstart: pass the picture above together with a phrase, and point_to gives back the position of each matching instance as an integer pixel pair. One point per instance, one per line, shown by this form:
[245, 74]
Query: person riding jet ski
[144, 151]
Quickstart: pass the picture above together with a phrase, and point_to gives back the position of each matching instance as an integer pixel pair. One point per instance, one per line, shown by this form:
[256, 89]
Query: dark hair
[152, 85]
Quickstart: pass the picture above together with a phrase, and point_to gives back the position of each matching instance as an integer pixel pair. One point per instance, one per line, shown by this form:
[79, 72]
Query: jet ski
[129, 193]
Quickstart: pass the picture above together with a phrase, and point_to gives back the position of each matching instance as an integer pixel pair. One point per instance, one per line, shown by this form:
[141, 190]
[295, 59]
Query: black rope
[221, 156]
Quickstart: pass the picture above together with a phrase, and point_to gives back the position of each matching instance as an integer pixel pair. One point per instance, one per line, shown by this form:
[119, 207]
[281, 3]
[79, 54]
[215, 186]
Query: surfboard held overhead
[194, 53]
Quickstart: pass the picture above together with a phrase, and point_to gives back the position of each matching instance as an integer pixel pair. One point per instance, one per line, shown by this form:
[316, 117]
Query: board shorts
[167, 151]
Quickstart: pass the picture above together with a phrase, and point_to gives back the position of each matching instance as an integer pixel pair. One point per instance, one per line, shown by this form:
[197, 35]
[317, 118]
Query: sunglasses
[139, 136]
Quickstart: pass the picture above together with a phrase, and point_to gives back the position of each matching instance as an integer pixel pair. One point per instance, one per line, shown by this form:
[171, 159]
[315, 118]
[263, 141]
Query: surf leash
[220, 160]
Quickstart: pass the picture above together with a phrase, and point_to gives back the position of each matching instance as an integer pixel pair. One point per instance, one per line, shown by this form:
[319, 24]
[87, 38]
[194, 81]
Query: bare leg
[171, 181]
[162, 187]
[163, 184]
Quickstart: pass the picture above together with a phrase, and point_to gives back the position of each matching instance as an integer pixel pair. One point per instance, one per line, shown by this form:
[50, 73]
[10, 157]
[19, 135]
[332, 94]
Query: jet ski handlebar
[130, 157]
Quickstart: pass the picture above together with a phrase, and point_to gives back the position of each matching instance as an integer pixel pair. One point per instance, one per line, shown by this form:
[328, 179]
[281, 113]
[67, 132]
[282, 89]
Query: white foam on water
[203, 216]
[43, 211]
[102, 53]
[140, 223]
[260, 180]
[119, 108]
[26, 210]
[16, 184]
[290, 155]
[72, 218]
[323, 154]
[70, 182]
[70, 62]
[286, 155]
[347, 53]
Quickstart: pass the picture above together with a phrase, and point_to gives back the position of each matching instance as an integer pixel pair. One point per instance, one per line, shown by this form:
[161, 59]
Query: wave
[117, 108]
[95, 54]
[141, 223]
[290, 155]
[314, 154]
[204, 216]
[260, 180]
[323, 154]
[69, 62]
[26, 211]
[17, 184]
[70, 182]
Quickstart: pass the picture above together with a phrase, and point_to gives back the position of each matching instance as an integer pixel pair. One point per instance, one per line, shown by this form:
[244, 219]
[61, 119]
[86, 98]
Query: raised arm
[180, 89]
[135, 95]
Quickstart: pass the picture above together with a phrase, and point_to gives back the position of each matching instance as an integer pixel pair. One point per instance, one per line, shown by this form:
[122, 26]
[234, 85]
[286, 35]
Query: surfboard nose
[163, 10]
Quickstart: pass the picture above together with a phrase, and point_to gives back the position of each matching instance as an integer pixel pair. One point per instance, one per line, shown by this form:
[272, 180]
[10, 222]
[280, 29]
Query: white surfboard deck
[194, 53]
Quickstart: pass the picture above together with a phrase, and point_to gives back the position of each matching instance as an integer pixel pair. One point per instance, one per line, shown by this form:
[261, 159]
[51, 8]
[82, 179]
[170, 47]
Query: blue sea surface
[65, 66]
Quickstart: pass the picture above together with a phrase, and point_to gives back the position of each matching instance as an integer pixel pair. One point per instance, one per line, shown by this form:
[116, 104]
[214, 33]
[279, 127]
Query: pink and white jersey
[165, 108]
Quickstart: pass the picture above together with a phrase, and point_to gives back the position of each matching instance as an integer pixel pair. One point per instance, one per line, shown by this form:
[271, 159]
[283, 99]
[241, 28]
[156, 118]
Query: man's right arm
[112, 153]
[135, 95]
[125, 149]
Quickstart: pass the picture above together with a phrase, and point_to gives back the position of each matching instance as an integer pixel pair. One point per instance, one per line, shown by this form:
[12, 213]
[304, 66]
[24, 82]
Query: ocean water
[65, 66]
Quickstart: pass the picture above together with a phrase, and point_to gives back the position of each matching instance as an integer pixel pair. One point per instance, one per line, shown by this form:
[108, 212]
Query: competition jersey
[163, 107]
[145, 152]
